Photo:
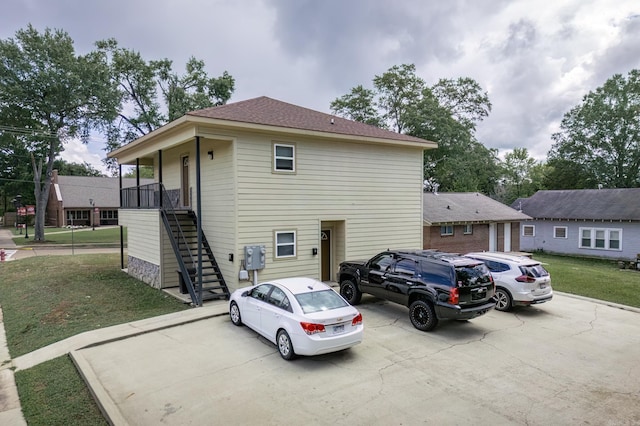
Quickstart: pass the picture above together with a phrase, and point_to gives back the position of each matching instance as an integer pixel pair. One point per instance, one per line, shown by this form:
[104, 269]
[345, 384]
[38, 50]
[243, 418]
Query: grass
[595, 278]
[49, 298]
[82, 236]
[53, 393]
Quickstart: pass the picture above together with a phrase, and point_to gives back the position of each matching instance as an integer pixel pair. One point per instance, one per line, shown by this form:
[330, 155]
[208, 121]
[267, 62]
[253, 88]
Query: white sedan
[302, 316]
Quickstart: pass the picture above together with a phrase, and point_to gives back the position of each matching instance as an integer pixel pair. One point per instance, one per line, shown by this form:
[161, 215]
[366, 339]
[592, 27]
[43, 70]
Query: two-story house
[270, 188]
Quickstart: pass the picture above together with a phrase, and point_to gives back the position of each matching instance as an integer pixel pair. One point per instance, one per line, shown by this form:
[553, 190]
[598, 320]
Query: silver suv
[520, 280]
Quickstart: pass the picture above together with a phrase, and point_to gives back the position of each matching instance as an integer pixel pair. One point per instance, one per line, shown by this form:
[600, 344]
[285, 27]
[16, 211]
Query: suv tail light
[311, 328]
[454, 296]
[357, 320]
[525, 279]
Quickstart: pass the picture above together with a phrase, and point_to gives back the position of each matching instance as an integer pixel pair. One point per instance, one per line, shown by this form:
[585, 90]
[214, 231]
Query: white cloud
[77, 152]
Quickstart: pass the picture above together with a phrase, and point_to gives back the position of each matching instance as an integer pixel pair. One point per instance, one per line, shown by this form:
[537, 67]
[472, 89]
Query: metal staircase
[202, 284]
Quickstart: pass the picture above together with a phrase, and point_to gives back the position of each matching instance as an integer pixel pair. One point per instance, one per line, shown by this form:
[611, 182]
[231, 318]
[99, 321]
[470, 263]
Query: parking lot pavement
[569, 361]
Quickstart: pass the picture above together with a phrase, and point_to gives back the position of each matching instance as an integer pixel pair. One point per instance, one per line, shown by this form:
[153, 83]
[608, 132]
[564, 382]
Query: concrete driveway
[569, 361]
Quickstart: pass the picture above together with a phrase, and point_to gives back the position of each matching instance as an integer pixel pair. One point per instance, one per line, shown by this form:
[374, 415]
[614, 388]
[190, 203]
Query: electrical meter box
[254, 257]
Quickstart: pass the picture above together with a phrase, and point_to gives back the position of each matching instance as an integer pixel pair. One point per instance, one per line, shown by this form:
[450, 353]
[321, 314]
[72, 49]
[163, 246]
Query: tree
[522, 176]
[359, 105]
[446, 113]
[152, 94]
[52, 95]
[75, 169]
[600, 138]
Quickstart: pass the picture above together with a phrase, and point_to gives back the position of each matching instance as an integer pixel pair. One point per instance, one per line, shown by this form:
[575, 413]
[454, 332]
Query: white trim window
[559, 232]
[528, 230]
[284, 158]
[446, 230]
[601, 238]
[285, 243]
[467, 229]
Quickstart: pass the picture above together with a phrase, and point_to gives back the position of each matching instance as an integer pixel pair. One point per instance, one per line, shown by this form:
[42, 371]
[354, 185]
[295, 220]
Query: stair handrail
[168, 208]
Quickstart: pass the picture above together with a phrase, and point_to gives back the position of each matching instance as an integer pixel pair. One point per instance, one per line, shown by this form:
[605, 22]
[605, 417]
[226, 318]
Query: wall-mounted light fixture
[314, 251]
[210, 154]
[230, 257]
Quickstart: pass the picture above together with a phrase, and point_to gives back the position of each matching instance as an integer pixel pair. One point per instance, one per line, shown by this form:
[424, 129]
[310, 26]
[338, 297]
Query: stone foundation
[144, 271]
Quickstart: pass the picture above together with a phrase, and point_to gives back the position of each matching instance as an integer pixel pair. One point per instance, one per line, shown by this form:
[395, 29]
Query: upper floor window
[559, 232]
[528, 230]
[446, 230]
[284, 158]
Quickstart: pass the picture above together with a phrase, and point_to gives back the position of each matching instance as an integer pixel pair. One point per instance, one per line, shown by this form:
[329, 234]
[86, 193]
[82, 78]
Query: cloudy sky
[536, 59]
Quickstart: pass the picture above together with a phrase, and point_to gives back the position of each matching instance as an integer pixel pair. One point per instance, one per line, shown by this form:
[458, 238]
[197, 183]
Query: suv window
[381, 262]
[436, 273]
[472, 275]
[496, 266]
[535, 271]
[406, 267]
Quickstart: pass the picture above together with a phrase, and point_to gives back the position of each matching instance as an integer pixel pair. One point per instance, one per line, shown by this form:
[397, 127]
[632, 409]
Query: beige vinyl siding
[143, 233]
[375, 190]
[219, 205]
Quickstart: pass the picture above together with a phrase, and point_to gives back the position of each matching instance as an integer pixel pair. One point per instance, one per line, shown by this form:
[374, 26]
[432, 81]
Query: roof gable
[577, 204]
[456, 207]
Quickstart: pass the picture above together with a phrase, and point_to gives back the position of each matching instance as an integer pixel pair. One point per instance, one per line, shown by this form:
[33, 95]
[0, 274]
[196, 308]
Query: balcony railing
[151, 196]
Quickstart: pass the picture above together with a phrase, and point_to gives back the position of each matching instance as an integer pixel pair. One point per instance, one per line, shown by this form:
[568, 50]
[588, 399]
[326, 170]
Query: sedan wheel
[234, 313]
[422, 315]
[504, 300]
[285, 347]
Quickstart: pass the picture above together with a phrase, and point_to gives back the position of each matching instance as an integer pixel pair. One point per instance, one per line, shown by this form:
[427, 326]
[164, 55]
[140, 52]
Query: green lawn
[81, 236]
[599, 279]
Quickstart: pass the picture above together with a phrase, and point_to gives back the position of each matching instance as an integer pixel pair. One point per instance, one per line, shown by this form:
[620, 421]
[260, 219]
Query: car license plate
[337, 329]
[543, 286]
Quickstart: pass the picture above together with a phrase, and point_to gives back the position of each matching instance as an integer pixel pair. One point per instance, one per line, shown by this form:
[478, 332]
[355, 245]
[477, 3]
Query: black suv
[432, 284]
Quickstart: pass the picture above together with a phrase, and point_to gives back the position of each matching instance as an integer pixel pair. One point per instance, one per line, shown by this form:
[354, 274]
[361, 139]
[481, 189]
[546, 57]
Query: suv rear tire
[504, 302]
[422, 315]
[349, 290]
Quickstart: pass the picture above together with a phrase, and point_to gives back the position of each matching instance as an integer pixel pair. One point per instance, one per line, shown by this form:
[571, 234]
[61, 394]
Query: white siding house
[312, 188]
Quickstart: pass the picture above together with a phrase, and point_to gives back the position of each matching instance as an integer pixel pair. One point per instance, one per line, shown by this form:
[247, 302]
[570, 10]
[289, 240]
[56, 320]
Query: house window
[528, 230]
[601, 238]
[559, 232]
[108, 214]
[284, 158]
[446, 230]
[77, 215]
[468, 229]
[285, 244]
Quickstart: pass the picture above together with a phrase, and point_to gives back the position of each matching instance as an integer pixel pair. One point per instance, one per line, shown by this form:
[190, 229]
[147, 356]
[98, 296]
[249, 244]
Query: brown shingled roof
[271, 112]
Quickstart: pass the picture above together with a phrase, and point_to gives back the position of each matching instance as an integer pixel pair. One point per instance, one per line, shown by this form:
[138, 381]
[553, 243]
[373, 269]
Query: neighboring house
[85, 200]
[307, 188]
[586, 222]
[461, 222]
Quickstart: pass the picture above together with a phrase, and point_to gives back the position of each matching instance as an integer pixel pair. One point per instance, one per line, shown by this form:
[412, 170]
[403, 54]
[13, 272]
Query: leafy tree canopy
[152, 94]
[48, 95]
[446, 113]
[599, 140]
[76, 169]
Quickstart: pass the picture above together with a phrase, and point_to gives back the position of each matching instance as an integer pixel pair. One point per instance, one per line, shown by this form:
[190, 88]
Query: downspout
[121, 227]
[160, 175]
[199, 214]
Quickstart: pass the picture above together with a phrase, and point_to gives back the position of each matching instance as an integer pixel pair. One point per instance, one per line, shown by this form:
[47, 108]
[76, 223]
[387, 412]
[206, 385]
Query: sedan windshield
[316, 301]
